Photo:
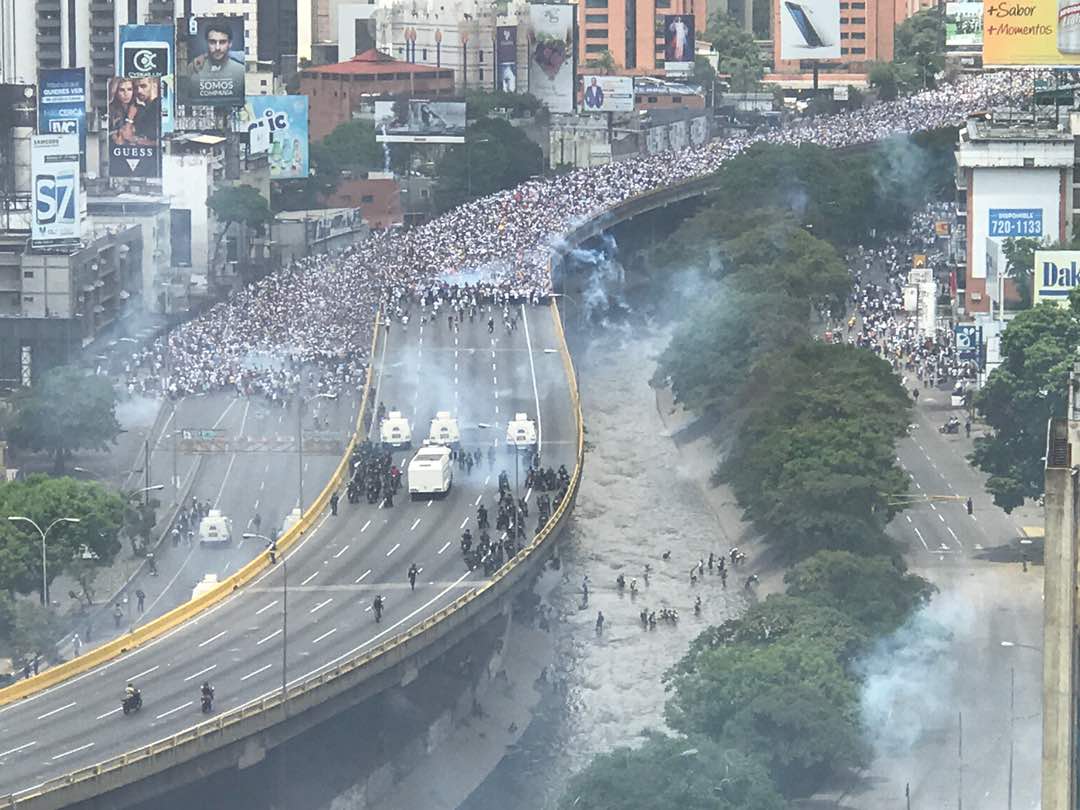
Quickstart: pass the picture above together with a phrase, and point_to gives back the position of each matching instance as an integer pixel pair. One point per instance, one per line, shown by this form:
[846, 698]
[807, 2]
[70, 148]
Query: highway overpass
[71, 743]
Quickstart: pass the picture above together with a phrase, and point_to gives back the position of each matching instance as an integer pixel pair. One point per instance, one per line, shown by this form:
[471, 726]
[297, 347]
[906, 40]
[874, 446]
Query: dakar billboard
[1057, 273]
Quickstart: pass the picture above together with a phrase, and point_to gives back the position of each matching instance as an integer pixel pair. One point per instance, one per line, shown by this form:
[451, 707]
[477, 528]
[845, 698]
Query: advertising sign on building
[62, 103]
[809, 29]
[551, 55]
[134, 127]
[506, 57]
[54, 162]
[1035, 32]
[607, 94]
[146, 51]
[279, 124]
[678, 44]
[1057, 272]
[418, 120]
[968, 341]
[1010, 223]
[963, 26]
[212, 73]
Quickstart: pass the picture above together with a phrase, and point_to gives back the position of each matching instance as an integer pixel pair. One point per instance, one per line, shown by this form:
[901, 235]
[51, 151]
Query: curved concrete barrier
[251, 718]
[177, 616]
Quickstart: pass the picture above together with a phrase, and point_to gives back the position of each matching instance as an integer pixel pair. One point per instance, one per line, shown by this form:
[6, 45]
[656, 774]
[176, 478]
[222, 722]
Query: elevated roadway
[72, 743]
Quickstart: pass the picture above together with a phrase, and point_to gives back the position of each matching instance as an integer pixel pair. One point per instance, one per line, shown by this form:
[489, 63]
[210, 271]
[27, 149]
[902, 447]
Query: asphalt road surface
[333, 573]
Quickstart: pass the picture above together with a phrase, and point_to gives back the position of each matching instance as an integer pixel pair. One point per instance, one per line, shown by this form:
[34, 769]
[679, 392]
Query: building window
[858, 35]
[663, 3]
[844, 20]
[596, 18]
[858, 20]
[28, 274]
[595, 3]
[595, 48]
[844, 51]
[28, 299]
[1029, 163]
[481, 55]
[844, 35]
[652, 99]
[676, 99]
[367, 198]
[480, 71]
[631, 34]
[858, 50]
[858, 5]
[596, 33]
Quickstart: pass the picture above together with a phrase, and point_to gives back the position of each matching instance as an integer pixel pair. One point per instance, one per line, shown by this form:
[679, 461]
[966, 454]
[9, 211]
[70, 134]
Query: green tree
[351, 146]
[43, 500]
[877, 592]
[35, 631]
[481, 103]
[1020, 264]
[495, 156]
[603, 61]
[1038, 349]
[892, 79]
[739, 56]
[920, 44]
[704, 75]
[65, 411]
[669, 773]
[240, 204]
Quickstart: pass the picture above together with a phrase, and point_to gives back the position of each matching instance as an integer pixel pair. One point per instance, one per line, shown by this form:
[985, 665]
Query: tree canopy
[495, 156]
[1038, 349]
[241, 204]
[739, 56]
[65, 411]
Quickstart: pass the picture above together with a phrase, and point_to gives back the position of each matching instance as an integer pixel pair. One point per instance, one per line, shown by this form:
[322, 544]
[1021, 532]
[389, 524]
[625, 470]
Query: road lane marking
[361, 577]
[395, 548]
[527, 494]
[324, 635]
[144, 672]
[941, 517]
[921, 538]
[952, 533]
[447, 545]
[479, 498]
[341, 552]
[256, 672]
[908, 518]
[306, 581]
[213, 638]
[429, 503]
[225, 480]
[321, 605]
[933, 507]
[536, 392]
[486, 480]
[262, 610]
[267, 638]
[22, 747]
[364, 527]
[462, 526]
[415, 524]
[73, 751]
[56, 711]
[173, 711]
[195, 675]
[103, 716]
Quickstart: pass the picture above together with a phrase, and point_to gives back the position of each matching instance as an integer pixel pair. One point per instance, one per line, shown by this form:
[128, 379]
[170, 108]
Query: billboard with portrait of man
[607, 94]
[135, 127]
[212, 70]
[506, 57]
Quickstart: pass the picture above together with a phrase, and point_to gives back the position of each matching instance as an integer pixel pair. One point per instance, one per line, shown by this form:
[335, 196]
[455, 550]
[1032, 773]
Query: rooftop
[373, 63]
[980, 129]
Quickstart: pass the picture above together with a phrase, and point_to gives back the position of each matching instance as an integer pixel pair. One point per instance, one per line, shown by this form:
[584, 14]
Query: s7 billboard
[54, 163]
[809, 29]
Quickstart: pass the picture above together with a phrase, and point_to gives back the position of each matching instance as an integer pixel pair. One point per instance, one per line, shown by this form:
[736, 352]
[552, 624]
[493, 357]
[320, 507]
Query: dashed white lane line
[306, 581]
[941, 517]
[478, 498]
[265, 639]
[415, 524]
[263, 610]
[486, 482]
[213, 638]
[22, 747]
[327, 634]
[921, 540]
[174, 711]
[360, 578]
[203, 671]
[343, 550]
[321, 605]
[100, 716]
[256, 672]
[395, 548]
[462, 526]
[918, 485]
[141, 674]
[364, 527]
[73, 751]
[908, 518]
[933, 507]
[445, 546]
[56, 711]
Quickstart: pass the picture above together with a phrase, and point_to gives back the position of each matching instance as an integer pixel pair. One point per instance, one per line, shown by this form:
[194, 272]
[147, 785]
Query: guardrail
[177, 616]
[488, 590]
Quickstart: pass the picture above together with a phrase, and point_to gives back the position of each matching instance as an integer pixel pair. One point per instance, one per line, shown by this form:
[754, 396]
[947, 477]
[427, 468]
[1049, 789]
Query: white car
[395, 430]
[215, 529]
[444, 430]
[521, 432]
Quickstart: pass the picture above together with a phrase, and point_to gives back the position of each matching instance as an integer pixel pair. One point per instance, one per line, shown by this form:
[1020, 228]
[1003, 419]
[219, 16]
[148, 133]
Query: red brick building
[379, 199]
[334, 91]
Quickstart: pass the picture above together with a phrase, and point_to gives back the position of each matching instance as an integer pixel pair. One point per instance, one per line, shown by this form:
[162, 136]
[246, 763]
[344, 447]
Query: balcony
[48, 6]
[44, 38]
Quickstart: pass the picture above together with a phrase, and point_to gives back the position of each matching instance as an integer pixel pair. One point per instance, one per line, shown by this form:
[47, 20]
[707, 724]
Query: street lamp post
[44, 534]
[272, 546]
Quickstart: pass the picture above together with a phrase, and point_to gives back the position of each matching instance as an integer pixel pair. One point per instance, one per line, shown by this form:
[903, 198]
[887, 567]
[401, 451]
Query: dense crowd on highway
[318, 313]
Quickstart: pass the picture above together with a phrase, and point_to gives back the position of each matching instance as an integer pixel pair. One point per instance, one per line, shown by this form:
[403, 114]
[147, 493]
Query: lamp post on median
[271, 546]
[44, 534]
[301, 404]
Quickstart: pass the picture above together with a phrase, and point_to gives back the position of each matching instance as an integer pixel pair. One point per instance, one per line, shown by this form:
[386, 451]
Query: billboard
[417, 120]
[283, 120]
[62, 103]
[134, 127]
[213, 72]
[963, 26]
[146, 51]
[968, 341]
[54, 164]
[551, 55]
[1039, 32]
[506, 58]
[1012, 223]
[678, 44]
[809, 29]
[1057, 272]
[607, 94]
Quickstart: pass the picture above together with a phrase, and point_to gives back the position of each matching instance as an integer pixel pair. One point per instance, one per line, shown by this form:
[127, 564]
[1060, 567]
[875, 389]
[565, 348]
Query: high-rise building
[629, 31]
[18, 49]
[277, 43]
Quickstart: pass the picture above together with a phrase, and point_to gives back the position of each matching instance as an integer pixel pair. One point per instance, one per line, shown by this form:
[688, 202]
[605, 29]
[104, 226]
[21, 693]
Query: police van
[430, 471]
[444, 430]
[395, 431]
[521, 432]
[215, 529]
